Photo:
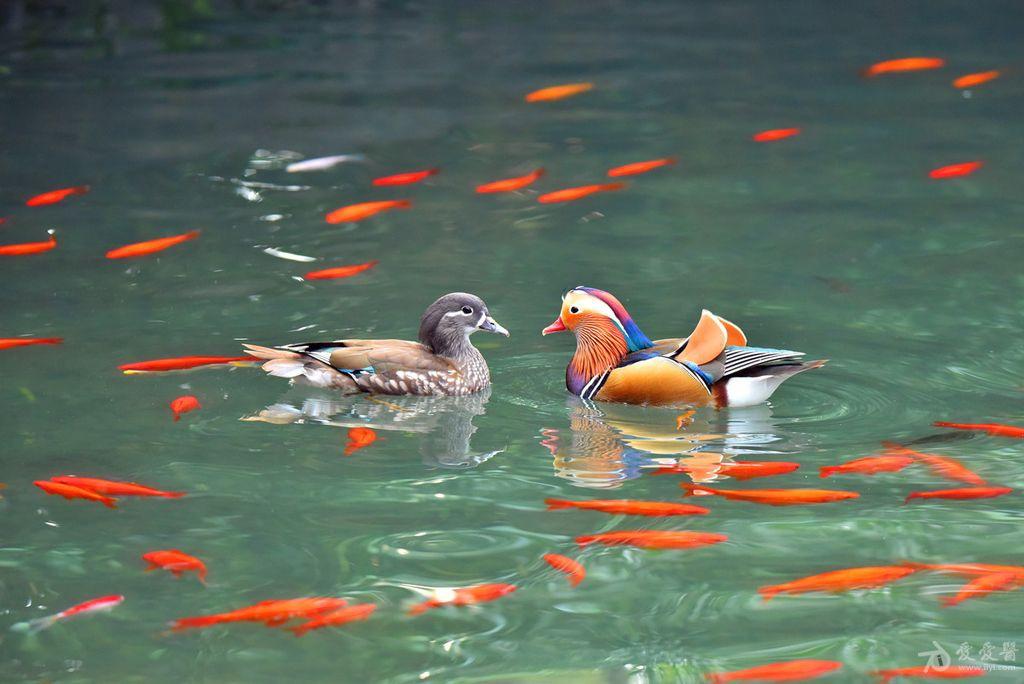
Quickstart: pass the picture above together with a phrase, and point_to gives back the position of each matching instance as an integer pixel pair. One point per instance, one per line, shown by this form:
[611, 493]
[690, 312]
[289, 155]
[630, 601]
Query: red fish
[340, 271]
[113, 487]
[637, 168]
[72, 492]
[12, 342]
[739, 470]
[570, 194]
[870, 465]
[559, 92]
[572, 568]
[955, 170]
[870, 577]
[55, 196]
[336, 618]
[961, 494]
[138, 249]
[359, 437]
[466, 596]
[176, 562]
[24, 248]
[971, 80]
[181, 363]
[788, 671]
[653, 539]
[510, 184]
[773, 134]
[893, 66]
[944, 466]
[985, 584]
[358, 212]
[271, 613]
[102, 603]
[628, 507]
[184, 404]
[406, 178]
[994, 429]
[775, 497]
[930, 672]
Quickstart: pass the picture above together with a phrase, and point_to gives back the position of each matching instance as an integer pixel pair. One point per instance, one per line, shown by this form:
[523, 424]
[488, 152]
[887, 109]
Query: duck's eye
[466, 310]
[574, 309]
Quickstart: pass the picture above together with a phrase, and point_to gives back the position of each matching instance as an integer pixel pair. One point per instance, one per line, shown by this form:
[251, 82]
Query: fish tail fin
[949, 601]
[39, 624]
[419, 608]
[177, 416]
[298, 630]
[173, 495]
[109, 502]
[557, 504]
[201, 574]
[826, 471]
[768, 593]
[945, 424]
[194, 623]
[913, 495]
[403, 204]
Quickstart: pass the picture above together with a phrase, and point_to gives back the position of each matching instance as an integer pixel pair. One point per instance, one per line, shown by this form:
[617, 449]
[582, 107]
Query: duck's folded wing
[372, 356]
[738, 360]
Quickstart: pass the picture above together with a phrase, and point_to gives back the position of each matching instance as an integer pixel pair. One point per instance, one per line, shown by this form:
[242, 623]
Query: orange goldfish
[570, 194]
[340, 271]
[559, 92]
[271, 613]
[637, 168]
[72, 492]
[23, 248]
[963, 493]
[788, 671]
[359, 437]
[406, 178]
[944, 466]
[12, 342]
[930, 672]
[994, 429]
[176, 562]
[138, 249]
[775, 497]
[955, 170]
[971, 80]
[113, 487]
[985, 584]
[773, 134]
[653, 539]
[103, 603]
[181, 363]
[870, 465]
[739, 470]
[893, 66]
[358, 212]
[55, 196]
[628, 507]
[336, 618]
[184, 404]
[567, 565]
[466, 596]
[510, 184]
[870, 577]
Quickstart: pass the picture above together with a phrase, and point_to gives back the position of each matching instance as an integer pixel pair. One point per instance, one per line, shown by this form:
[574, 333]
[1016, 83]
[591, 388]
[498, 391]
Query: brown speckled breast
[470, 375]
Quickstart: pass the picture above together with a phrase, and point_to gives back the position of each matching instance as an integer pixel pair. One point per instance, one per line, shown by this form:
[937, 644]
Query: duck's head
[453, 318]
[586, 308]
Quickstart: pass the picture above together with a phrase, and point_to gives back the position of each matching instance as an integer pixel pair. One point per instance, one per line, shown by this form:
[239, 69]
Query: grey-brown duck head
[448, 322]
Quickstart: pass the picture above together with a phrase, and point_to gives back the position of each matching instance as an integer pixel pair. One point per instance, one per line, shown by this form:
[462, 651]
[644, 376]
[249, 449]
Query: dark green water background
[835, 243]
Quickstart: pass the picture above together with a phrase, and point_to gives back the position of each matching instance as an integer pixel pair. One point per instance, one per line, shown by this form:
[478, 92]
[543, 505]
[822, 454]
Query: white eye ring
[574, 309]
[466, 310]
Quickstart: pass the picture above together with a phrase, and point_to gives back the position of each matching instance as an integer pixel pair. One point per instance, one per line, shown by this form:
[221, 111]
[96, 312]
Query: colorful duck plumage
[615, 361]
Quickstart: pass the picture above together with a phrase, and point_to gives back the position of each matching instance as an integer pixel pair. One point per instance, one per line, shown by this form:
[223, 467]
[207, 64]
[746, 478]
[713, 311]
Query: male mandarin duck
[615, 361]
[442, 362]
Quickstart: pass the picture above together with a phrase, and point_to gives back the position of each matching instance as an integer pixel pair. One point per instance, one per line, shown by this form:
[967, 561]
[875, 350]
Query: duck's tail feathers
[755, 386]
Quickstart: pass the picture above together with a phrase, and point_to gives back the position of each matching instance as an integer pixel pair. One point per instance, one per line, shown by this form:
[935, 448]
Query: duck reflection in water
[606, 446]
[445, 422]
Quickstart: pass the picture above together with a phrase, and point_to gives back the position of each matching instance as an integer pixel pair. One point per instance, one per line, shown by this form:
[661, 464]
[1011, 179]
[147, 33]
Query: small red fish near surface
[336, 618]
[775, 497]
[559, 92]
[358, 212]
[273, 613]
[994, 429]
[870, 577]
[628, 507]
[653, 539]
[985, 584]
[870, 465]
[359, 437]
[961, 494]
[893, 66]
[955, 170]
[24, 248]
[180, 363]
[466, 596]
[102, 603]
[944, 466]
[773, 134]
[176, 562]
[72, 492]
[573, 569]
[971, 80]
[55, 196]
[405, 178]
[637, 168]
[930, 672]
[138, 249]
[510, 184]
[340, 271]
[184, 404]
[789, 671]
[12, 342]
[113, 487]
[738, 470]
[571, 194]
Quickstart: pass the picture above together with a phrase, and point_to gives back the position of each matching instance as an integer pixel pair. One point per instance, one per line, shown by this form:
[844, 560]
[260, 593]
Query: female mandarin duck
[615, 361]
[443, 362]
